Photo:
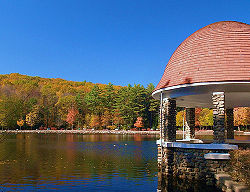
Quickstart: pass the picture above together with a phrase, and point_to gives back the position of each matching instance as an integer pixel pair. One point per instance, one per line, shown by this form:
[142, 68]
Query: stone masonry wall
[169, 123]
[190, 117]
[190, 164]
[219, 117]
[230, 123]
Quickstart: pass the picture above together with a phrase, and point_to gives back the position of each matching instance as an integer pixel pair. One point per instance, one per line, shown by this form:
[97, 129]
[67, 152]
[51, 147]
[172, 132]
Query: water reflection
[47, 162]
[74, 162]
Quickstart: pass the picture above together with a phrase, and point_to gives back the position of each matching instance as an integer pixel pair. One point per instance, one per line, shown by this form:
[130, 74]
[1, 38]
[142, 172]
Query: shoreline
[112, 132]
[84, 132]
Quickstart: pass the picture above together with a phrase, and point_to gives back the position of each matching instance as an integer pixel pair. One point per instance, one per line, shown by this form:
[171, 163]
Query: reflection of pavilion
[211, 69]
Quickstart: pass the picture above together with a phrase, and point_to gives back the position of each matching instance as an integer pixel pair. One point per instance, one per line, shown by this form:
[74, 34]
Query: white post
[161, 125]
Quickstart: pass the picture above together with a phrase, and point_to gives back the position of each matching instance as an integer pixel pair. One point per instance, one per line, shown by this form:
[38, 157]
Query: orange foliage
[95, 121]
[242, 116]
[117, 119]
[139, 123]
[106, 119]
[197, 115]
[71, 117]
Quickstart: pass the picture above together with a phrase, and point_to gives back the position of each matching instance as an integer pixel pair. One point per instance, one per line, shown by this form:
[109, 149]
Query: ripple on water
[74, 163]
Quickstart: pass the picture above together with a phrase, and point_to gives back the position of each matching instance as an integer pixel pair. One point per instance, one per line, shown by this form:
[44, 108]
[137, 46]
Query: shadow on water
[170, 184]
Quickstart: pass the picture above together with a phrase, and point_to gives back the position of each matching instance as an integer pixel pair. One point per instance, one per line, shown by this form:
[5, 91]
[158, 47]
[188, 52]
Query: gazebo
[209, 69]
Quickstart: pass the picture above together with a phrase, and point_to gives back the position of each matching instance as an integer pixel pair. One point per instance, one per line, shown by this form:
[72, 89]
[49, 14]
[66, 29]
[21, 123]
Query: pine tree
[93, 100]
[153, 107]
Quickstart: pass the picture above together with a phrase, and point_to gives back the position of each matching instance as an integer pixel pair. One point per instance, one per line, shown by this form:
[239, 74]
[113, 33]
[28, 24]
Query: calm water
[51, 162]
[71, 162]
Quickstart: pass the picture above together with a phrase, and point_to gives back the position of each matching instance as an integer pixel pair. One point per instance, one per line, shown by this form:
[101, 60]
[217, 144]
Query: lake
[72, 162]
[76, 162]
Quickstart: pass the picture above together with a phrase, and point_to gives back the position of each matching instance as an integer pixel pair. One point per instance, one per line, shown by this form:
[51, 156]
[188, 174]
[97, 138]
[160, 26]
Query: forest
[28, 102]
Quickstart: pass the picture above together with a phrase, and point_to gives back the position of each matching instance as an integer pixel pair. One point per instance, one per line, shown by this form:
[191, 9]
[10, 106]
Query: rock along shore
[114, 132]
[86, 132]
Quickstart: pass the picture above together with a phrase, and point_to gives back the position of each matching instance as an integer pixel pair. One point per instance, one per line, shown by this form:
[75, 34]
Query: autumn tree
[71, 117]
[179, 118]
[32, 118]
[197, 115]
[62, 107]
[117, 119]
[242, 116]
[95, 121]
[206, 117]
[3, 123]
[106, 119]
[48, 100]
[20, 123]
[87, 120]
[114, 105]
[139, 122]
[10, 111]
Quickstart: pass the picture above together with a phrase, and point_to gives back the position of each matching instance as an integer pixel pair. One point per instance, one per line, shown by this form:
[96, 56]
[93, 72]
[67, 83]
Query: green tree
[49, 99]
[131, 103]
[153, 107]
[10, 110]
[108, 96]
[98, 104]
[93, 100]
[82, 108]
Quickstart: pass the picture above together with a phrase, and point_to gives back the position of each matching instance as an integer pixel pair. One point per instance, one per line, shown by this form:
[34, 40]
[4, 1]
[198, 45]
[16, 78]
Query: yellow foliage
[95, 121]
[32, 117]
[2, 120]
[179, 118]
[111, 127]
[20, 123]
[206, 117]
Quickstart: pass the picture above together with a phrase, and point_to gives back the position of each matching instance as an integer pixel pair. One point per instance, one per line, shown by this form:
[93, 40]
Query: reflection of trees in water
[3, 137]
[138, 151]
[53, 157]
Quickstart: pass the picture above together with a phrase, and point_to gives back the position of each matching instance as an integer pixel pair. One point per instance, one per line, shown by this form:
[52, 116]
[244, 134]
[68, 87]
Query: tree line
[204, 118]
[33, 102]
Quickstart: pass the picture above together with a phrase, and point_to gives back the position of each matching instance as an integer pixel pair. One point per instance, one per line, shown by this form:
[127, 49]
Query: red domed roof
[217, 52]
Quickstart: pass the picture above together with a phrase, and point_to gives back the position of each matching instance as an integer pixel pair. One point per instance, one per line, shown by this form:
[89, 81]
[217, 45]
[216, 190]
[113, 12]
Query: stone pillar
[169, 120]
[219, 117]
[161, 119]
[230, 123]
[190, 128]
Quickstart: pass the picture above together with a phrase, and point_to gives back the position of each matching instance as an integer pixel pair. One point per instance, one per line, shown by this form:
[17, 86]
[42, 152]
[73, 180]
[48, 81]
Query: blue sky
[102, 41]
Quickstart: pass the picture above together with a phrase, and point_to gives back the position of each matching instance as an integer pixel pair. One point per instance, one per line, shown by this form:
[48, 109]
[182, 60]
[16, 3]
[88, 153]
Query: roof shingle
[217, 52]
